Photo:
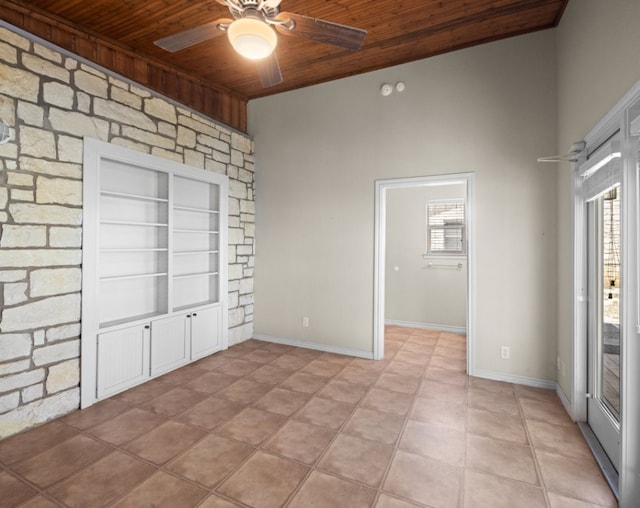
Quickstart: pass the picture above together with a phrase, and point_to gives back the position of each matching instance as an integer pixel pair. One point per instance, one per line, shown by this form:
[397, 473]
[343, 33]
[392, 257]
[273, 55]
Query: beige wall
[489, 110]
[415, 293]
[598, 62]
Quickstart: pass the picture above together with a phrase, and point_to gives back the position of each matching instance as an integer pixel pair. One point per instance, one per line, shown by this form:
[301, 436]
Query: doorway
[380, 279]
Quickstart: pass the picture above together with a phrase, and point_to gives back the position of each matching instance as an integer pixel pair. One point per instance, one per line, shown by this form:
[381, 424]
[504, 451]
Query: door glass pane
[610, 300]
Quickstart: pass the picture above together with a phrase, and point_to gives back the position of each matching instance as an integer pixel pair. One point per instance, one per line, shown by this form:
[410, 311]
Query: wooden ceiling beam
[210, 99]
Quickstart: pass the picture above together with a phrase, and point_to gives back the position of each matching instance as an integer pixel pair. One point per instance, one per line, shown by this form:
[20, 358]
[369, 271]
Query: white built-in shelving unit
[154, 267]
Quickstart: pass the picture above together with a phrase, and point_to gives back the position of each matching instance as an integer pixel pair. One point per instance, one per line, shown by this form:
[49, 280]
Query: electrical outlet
[305, 322]
[505, 352]
[558, 363]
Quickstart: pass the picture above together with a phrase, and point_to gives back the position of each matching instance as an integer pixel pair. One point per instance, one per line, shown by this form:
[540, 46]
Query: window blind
[602, 169]
[445, 227]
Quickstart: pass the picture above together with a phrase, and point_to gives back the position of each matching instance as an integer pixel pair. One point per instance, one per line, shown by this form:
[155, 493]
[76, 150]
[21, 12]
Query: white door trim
[380, 254]
[614, 120]
[629, 469]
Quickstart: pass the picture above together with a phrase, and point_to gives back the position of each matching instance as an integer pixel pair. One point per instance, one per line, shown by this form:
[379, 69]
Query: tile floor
[267, 425]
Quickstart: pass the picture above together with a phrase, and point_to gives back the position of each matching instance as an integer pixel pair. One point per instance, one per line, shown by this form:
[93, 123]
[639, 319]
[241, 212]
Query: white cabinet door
[123, 359]
[170, 344]
[205, 332]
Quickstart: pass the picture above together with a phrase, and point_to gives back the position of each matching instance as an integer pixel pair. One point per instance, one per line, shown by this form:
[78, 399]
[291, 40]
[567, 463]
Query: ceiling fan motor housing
[258, 9]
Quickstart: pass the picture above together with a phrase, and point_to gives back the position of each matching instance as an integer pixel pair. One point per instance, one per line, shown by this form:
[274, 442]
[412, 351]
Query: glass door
[603, 408]
[607, 295]
[604, 276]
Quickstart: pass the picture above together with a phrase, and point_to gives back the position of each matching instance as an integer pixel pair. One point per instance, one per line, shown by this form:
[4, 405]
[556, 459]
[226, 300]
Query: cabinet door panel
[123, 359]
[205, 332]
[169, 344]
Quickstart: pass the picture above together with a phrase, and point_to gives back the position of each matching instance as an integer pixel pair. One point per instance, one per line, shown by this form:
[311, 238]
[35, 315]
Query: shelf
[128, 277]
[132, 196]
[130, 320]
[199, 210]
[196, 231]
[139, 289]
[128, 223]
[190, 275]
[109, 251]
[195, 306]
[191, 252]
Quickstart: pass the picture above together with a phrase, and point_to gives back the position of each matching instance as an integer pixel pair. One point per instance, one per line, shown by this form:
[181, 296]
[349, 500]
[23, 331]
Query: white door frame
[616, 119]
[380, 253]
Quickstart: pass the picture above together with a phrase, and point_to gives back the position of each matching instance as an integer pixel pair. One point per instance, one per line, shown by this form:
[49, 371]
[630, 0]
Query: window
[446, 227]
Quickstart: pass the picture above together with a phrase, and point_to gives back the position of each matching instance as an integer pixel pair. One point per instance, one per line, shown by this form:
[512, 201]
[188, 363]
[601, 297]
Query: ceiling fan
[251, 33]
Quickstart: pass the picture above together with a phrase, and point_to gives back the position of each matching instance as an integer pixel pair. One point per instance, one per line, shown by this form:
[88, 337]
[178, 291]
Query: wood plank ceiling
[212, 78]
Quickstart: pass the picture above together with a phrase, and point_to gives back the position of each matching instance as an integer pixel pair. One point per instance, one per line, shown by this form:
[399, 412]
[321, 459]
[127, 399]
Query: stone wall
[51, 100]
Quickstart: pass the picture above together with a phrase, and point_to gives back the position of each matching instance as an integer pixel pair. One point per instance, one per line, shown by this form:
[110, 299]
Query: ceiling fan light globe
[252, 38]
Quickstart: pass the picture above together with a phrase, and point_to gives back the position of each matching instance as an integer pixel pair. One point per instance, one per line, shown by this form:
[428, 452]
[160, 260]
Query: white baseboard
[315, 346]
[518, 380]
[443, 328]
[565, 401]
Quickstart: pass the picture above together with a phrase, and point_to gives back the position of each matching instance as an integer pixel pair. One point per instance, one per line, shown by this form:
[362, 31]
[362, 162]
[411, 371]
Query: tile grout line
[43, 490]
[174, 417]
[404, 426]
[543, 486]
[208, 432]
[289, 418]
[258, 448]
[315, 465]
[261, 447]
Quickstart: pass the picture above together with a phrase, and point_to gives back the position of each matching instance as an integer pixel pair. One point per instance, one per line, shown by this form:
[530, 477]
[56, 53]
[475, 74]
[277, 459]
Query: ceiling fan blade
[323, 31]
[201, 33]
[269, 71]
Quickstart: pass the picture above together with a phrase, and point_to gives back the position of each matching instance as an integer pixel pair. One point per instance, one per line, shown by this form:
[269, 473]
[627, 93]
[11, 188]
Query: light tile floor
[267, 425]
